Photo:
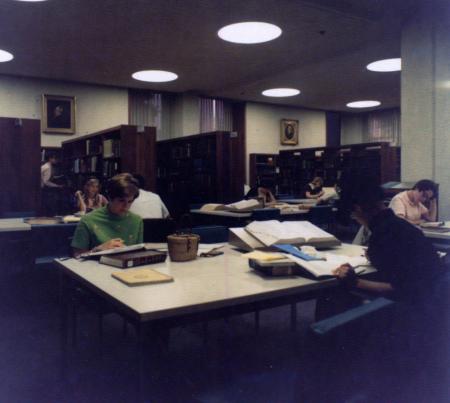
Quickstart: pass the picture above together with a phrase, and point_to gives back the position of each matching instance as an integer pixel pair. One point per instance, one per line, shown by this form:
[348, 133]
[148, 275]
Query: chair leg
[257, 321]
[293, 317]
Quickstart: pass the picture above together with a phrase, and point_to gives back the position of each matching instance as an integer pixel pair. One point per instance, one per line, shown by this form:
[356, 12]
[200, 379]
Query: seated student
[113, 225]
[408, 267]
[90, 199]
[314, 189]
[262, 191]
[410, 203]
[148, 204]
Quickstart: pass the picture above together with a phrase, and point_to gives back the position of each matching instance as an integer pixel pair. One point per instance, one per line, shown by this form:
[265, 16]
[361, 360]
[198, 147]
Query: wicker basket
[183, 247]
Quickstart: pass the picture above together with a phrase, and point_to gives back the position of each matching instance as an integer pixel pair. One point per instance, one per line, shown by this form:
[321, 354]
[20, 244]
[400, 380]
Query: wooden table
[203, 289]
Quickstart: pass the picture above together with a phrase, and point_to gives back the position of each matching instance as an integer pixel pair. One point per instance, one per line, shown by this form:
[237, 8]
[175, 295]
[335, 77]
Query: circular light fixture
[154, 76]
[5, 56]
[386, 65]
[363, 104]
[249, 32]
[281, 92]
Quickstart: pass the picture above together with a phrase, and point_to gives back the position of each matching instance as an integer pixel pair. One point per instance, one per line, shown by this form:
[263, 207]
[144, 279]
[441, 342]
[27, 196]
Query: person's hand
[78, 193]
[346, 275]
[111, 244]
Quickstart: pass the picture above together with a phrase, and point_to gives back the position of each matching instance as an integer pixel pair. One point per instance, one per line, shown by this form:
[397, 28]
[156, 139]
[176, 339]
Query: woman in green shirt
[114, 225]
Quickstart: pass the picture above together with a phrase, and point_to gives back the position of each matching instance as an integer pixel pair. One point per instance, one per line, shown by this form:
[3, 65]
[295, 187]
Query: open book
[240, 206]
[290, 232]
[324, 268]
[113, 251]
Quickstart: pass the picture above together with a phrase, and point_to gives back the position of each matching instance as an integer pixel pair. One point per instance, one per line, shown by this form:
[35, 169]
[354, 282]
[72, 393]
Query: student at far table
[113, 225]
[263, 192]
[91, 198]
[314, 189]
[410, 203]
[148, 204]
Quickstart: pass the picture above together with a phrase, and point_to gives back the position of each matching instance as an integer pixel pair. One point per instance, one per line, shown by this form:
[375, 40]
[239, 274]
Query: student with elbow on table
[410, 203]
[113, 225]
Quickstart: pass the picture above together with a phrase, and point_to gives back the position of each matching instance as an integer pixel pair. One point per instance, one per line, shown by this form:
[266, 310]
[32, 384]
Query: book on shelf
[108, 148]
[133, 259]
[134, 277]
[260, 234]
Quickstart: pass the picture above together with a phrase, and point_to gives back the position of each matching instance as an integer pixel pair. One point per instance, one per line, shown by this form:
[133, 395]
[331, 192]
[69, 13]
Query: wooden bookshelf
[106, 153]
[20, 165]
[298, 167]
[264, 169]
[198, 169]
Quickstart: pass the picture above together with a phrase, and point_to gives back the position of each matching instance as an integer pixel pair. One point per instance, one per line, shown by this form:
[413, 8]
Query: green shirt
[100, 226]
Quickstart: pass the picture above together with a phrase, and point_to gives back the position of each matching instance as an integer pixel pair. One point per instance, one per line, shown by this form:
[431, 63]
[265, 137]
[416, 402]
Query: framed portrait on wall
[58, 114]
[289, 132]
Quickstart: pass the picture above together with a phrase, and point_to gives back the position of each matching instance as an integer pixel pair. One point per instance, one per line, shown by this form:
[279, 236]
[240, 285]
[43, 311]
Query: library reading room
[190, 215]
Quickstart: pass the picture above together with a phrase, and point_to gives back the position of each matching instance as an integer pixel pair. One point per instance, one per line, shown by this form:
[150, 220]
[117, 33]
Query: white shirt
[149, 205]
[46, 174]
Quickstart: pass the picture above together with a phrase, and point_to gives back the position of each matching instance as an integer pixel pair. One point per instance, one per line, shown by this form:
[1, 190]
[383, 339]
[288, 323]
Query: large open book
[240, 206]
[290, 232]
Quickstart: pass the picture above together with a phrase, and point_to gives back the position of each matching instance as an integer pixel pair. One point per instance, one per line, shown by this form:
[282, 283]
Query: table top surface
[13, 224]
[199, 285]
[438, 235]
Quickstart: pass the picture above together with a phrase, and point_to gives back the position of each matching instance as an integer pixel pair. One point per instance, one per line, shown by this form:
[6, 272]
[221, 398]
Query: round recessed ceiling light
[249, 32]
[154, 76]
[5, 56]
[281, 92]
[363, 104]
[386, 65]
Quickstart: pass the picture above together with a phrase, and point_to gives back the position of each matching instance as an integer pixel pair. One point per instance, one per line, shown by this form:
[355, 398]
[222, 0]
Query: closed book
[143, 276]
[133, 259]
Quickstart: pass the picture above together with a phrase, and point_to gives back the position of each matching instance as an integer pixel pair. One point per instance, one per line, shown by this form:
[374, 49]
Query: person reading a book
[262, 192]
[113, 225]
[410, 204]
[90, 199]
[408, 267]
[315, 188]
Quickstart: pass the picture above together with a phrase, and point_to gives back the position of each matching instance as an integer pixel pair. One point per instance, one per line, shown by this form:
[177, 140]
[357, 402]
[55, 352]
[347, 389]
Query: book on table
[134, 277]
[133, 259]
[240, 206]
[323, 268]
[290, 232]
[113, 251]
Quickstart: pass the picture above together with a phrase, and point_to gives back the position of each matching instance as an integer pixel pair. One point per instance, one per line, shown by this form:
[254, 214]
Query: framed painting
[289, 132]
[58, 114]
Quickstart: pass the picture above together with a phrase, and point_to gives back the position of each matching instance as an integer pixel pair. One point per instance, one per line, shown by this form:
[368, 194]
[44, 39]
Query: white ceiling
[323, 50]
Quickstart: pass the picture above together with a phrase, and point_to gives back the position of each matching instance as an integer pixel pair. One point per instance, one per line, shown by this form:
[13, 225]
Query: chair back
[157, 229]
[265, 214]
[211, 233]
[321, 215]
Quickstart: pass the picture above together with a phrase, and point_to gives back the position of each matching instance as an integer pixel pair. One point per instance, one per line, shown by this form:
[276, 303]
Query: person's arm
[431, 213]
[165, 211]
[111, 244]
[80, 202]
[346, 273]
[397, 206]
[103, 201]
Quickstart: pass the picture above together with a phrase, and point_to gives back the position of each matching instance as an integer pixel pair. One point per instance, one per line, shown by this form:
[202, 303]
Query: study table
[205, 288]
[441, 240]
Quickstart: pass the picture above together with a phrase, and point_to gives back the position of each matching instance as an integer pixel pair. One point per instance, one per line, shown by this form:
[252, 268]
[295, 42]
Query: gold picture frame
[58, 114]
[289, 132]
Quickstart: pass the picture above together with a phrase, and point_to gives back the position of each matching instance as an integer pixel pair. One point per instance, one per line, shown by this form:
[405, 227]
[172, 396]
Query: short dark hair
[362, 191]
[122, 185]
[424, 185]
[140, 179]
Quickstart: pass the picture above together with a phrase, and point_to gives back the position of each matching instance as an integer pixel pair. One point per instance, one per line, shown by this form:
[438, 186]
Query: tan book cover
[133, 277]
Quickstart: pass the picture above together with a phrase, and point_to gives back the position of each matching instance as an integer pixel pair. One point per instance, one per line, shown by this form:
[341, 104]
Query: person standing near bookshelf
[90, 199]
[50, 190]
[113, 225]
